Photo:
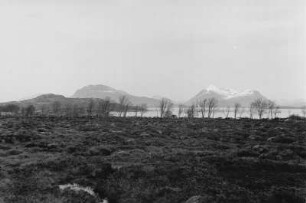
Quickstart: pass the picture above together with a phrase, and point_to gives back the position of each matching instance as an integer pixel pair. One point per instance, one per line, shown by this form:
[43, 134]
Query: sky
[172, 48]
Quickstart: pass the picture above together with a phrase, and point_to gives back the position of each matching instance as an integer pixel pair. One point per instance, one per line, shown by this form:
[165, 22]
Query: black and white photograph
[152, 101]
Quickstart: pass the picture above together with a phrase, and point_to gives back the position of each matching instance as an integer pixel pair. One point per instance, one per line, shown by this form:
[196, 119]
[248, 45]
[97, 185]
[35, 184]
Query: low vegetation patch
[152, 160]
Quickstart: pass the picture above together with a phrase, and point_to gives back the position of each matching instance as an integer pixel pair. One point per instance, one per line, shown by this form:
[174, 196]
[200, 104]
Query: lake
[154, 112]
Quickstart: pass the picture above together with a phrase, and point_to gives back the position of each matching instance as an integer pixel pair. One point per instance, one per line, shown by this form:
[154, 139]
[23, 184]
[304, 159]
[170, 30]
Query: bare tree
[10, 108]
[137, 109]
[226, 111]
[241, 112]
[107, 107]
[260, 106]
[180, 110]
[271, 105]
[276, 111]
[126, 109]
[212, 104]
[44, 110]
[75, 110]
[251, 110]
[56, 107]
[90, 107]
[28, 111]
[68, 110]
[304, 111]
[104, 107]
[202, 105]
[78, 110]
[191, 111]
[165, 107]
[236, 109]
[143, 109]
[123, 105]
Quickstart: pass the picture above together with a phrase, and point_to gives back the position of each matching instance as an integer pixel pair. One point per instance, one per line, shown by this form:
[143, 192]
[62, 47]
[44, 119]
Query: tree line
[206, 108]
[94, 107]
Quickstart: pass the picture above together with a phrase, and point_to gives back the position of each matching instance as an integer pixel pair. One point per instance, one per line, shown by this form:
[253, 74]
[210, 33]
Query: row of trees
[93, 107]
[13, 109]
[103, 108]
[206, 105]
[207, 108]
[100, 108]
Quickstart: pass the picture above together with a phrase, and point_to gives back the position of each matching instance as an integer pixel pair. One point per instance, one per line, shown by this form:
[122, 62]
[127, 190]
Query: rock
[200, 199]
[41, 130]
[4, 147]
[52, 146]
[255, 137]
[260, 148]
[100, 150]
[14, 152]
[130, 141]
[130, 154]
[281, 139]
[169, 189]
[196, 199]
[287, 154]
[257, 147]
[153, 150]
[144, 134]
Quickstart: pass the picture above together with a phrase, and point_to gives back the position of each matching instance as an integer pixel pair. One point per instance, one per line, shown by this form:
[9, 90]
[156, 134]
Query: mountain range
[225, 96]
[103, 91]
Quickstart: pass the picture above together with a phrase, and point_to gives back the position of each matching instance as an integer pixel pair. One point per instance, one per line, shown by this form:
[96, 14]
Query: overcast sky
[172, 48]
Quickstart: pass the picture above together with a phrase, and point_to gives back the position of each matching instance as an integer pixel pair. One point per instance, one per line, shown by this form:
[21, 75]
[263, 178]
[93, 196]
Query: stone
[194, 199]
[99, 150]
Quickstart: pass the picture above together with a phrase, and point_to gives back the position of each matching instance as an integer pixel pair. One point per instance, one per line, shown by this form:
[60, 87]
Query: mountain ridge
[226, 96]
[103, 92]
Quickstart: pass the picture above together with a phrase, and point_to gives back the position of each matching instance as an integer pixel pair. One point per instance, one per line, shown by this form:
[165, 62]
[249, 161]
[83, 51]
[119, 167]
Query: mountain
[103, 91]
[47, 99]
[226, 96]
[30, 97]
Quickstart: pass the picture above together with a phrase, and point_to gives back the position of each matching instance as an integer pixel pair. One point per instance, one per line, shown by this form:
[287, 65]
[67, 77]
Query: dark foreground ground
[152, 160]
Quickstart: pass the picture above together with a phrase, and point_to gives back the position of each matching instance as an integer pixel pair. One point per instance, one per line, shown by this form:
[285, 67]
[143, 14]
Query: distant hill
[82, 96]
[103, 91]
[48, 99]
[226, 96]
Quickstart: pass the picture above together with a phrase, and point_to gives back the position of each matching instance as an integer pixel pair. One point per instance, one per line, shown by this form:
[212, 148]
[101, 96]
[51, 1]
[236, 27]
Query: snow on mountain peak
[229, 93]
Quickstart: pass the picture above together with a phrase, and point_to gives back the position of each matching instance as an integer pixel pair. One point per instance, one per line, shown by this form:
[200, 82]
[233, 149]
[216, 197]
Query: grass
[152, 160]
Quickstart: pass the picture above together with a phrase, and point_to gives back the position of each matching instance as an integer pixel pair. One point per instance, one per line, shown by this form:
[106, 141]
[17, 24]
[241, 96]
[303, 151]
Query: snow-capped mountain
[226, 96]
[229, 93]
[103, 91]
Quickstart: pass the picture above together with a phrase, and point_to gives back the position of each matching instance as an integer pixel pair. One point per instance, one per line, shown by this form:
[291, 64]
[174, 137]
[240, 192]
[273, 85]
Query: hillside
[227, 96]
[103, 91]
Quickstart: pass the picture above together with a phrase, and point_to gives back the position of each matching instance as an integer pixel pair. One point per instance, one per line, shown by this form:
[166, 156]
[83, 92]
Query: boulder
[195, 199]
[100, 150]
[281, 139]
[200, 199]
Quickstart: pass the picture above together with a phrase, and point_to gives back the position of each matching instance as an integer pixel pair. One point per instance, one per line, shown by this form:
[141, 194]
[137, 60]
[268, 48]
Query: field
[152, 160]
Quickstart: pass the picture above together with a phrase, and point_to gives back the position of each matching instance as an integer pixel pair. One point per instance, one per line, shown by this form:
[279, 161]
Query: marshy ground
[152, 160]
